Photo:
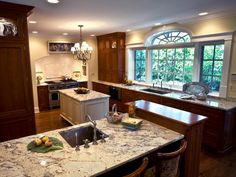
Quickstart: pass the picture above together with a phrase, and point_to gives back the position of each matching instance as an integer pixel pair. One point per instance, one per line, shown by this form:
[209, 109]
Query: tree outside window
[173, 66]
[212, 64]
[140, 65]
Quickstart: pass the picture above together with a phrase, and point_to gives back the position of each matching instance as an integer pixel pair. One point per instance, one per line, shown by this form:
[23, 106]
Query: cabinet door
[43, 97]
[16, 105]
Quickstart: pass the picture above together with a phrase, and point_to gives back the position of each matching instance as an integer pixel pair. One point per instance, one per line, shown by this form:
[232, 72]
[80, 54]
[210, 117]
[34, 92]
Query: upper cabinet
[16, 105]
[111, 57]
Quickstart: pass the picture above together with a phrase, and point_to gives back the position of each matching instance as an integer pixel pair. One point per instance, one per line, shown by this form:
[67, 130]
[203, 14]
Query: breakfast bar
[121, 147]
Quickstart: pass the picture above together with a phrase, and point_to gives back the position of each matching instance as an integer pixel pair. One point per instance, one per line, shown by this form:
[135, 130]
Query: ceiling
[106, 16]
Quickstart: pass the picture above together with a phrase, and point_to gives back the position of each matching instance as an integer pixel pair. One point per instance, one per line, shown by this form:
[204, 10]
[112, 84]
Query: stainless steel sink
[83, 133]
[156, 90]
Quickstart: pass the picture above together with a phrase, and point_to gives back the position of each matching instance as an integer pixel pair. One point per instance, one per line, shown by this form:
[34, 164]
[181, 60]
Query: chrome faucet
[161, 84]
[94, 129]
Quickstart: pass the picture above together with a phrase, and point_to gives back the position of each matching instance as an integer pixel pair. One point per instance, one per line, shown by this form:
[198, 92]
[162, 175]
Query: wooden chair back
[138, 172]
[168, 163]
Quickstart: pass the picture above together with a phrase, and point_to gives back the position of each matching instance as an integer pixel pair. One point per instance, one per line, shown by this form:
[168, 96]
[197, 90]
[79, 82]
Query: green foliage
[140, 65]
[173, 64]
[212, 65]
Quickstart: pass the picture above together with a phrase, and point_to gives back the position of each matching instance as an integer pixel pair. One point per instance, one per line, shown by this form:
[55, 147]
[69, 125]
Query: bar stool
[138, 172]
[168, 163]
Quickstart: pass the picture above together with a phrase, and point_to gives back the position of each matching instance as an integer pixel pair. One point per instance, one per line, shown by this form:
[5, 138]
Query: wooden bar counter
[189, 124]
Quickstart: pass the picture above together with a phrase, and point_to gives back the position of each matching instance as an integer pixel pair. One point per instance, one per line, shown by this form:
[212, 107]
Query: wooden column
[189, 124]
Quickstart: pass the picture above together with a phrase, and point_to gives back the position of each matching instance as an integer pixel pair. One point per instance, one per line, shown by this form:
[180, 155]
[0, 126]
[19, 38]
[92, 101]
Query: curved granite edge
[121, 146]
[219, 103]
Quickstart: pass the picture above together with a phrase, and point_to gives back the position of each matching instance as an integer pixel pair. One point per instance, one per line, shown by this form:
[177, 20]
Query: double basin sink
[156, 90]
[83, 133]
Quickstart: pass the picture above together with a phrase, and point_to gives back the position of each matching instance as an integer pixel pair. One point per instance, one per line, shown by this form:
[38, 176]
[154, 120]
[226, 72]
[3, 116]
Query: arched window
[171, 37]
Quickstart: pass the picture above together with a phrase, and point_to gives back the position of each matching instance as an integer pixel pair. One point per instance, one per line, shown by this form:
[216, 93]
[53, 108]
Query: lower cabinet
[75, 111]
[219, 129]
[43, 97]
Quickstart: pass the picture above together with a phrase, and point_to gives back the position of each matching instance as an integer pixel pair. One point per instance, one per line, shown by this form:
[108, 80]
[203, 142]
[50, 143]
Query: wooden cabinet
[111, 57]
[16, 105]
[219, 129]
[83, 84]
[43, 97]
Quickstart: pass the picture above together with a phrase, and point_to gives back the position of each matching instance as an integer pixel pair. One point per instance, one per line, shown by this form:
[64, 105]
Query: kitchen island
[121, 147]
[74, 107]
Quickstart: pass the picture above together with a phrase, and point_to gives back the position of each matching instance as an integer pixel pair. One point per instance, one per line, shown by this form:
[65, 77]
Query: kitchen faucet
[94, 129]
[153, 84]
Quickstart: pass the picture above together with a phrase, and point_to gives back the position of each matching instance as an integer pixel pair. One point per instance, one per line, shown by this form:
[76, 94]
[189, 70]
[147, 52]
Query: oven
[54, 99]
[53, 91]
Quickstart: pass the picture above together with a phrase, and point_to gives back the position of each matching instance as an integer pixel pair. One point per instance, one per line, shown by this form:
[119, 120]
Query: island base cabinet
[74, 111]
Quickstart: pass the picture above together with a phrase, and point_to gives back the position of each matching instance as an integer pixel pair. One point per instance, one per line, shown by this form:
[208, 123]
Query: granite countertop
[219, 103]
[121, 146]
[91, 95]
[78, 80]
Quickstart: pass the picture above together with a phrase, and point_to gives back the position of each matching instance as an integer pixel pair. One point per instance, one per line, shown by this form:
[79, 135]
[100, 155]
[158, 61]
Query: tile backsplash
[54, 66]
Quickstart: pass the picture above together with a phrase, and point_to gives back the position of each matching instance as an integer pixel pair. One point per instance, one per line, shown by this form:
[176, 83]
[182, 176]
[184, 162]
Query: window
[173, 66]
[171, 37]
[177, 58]
[212, 64]
[140, 65]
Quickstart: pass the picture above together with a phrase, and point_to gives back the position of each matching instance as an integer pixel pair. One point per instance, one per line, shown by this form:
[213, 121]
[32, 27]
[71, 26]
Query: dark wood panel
[189, 124]
[16, 105]
[83, 84]
[43, 97]
[111, 58]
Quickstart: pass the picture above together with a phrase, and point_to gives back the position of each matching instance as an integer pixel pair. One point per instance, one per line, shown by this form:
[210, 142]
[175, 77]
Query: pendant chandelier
[81, 50]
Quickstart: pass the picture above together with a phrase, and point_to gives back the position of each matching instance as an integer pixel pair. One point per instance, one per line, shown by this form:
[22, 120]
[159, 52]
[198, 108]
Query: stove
[55, 86]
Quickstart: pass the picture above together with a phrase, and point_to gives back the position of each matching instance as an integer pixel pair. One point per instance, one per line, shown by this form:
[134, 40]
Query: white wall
[57, 64]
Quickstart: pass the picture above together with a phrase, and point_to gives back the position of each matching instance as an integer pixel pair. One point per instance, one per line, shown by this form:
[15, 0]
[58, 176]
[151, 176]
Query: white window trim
[227, 38]
[196, 41]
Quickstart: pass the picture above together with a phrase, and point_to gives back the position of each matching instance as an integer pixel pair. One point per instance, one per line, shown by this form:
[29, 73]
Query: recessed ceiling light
[128, 30]
[203, 13]
[157, 24]
[92, 35]
[32, 22]
[35, 32]
[65, 34]
[53, 1]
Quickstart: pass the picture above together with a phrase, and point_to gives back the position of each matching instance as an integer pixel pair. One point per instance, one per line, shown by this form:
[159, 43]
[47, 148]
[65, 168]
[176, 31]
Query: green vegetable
[57, 145]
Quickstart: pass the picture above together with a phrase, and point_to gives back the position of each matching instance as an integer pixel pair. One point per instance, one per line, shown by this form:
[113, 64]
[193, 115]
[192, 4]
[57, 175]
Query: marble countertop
[78, 80]
[121, 146]
[92, 95]
[210, 101]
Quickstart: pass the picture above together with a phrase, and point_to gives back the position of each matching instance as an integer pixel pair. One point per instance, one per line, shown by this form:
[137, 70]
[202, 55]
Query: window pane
[173, 65]
[216, 83]
[189, 53]
[218, 68]
[219, 52]
[188, 66]
[212, 65]
[140, 65]
[206, 80]
[208, 52]
[162, 54]
[171, 37]
[179, 66]
[188, 77]
[170, 54]
[207, 67]
[179, 54]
